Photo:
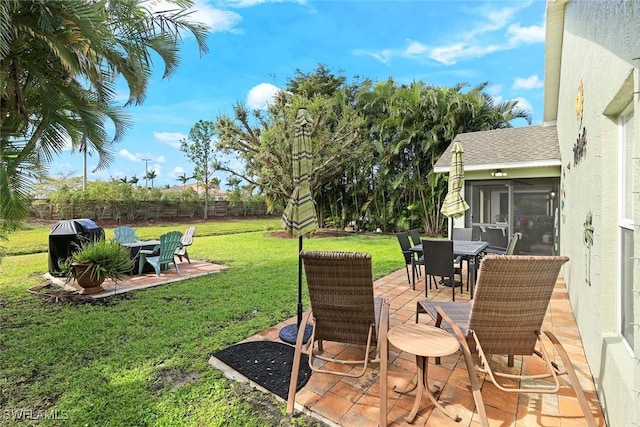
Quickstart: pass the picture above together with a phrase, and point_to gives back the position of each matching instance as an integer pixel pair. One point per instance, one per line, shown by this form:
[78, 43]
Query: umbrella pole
[299, 281]
[289, 333]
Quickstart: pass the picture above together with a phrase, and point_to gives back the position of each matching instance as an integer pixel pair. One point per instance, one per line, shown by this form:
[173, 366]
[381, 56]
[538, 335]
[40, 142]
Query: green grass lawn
[35, 237]
[141, 358]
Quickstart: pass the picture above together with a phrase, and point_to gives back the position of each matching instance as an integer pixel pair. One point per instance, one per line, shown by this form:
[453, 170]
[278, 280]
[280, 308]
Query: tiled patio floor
[346, 401]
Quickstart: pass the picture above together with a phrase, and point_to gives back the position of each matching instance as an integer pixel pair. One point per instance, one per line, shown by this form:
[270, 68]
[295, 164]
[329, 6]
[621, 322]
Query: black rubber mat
[267, 363]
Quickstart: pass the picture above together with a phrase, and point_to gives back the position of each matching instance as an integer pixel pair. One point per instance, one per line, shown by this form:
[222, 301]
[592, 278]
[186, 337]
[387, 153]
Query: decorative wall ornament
[580, 147]
[588, 242]
[580, 103]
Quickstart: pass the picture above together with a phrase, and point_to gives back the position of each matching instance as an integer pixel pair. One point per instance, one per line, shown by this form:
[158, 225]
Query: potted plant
[96, 261]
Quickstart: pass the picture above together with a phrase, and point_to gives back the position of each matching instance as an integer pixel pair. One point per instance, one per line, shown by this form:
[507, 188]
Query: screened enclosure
[500, 208]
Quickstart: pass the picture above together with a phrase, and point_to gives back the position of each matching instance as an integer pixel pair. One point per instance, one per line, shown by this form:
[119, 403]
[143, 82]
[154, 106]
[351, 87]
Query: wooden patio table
[423, 341]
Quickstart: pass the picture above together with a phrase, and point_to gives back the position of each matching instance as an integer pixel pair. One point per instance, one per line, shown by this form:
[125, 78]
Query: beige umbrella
[299, 217]
[454, 204]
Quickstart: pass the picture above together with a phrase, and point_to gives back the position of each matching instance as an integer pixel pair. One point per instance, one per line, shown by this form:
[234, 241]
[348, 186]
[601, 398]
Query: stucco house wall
[600, 52]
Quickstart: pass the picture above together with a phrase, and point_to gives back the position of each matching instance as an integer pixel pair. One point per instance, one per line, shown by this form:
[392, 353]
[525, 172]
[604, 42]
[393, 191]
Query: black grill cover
[66, 235]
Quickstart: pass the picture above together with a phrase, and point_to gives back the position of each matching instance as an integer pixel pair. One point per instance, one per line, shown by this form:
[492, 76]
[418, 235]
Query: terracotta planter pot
[88, 284]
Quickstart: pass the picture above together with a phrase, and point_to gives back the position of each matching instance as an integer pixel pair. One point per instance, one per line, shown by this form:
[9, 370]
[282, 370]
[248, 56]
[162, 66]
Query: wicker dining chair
[343, 310]
[414, 233]
[505, 318]
[410, 258]
[439, 261]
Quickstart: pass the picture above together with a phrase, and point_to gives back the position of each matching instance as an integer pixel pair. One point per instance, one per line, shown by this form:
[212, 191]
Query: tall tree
[151, 175]
[198, 147]
[59, 64]
[184, 179]
[321, 82]
[413, 125]
[263, 142]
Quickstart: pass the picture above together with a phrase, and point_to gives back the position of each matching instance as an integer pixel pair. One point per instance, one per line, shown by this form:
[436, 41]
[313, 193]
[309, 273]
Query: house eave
[554, 29]
[504, 166]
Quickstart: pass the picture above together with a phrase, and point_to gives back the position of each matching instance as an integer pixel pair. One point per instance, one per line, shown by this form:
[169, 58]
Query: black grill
[66, 236]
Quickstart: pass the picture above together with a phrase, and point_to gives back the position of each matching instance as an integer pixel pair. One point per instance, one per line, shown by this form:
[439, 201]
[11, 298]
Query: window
[625, 222]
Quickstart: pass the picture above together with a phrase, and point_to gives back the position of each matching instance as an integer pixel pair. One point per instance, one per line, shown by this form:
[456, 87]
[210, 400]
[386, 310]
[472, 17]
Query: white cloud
[520, 34]
[531, 82]
[524, 104]
[216, 20]
[494, 21]
[62, 168]
[449, 55]
[140, 157]
[416, 48]
[127, 155]
[383, 56]
[495, 31]
[495, 91]
[170, 138]
[261, 95]
[250, 3]
[177, 171]
[498, 99]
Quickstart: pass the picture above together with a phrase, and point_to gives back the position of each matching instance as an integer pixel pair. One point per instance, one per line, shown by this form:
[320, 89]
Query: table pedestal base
[423, 341]
[422, 386]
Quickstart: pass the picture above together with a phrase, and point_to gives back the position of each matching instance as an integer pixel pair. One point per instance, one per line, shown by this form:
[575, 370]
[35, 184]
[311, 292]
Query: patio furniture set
[157, 254]
[505, 319]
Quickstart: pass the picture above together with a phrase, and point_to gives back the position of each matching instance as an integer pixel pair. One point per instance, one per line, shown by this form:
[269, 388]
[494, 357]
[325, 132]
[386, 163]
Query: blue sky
[256, 45]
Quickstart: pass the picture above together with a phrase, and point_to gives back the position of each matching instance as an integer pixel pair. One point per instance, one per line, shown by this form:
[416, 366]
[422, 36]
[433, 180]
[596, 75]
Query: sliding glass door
[528, 206]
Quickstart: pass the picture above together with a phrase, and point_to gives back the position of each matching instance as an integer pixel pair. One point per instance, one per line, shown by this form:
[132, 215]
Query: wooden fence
[132, 210]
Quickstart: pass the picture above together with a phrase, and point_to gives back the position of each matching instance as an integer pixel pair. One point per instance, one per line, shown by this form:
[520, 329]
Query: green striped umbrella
[454, 205]
[299, 217]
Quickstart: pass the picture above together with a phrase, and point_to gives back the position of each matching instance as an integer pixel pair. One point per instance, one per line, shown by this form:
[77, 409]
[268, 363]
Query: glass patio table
[468, 248]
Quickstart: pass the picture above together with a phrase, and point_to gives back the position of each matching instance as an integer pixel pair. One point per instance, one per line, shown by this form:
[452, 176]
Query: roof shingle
[519, 147]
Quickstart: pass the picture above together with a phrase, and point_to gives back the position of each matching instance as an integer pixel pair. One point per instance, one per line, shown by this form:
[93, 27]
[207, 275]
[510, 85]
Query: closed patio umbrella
[454, 204]
[299, 217]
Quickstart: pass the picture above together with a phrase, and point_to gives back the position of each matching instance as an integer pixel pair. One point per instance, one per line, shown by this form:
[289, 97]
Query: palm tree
[183, 179]
[151, 175]
[134, 180]
[59, 65]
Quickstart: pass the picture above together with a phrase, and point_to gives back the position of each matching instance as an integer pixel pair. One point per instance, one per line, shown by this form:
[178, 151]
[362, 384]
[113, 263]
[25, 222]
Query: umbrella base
[289, 333]
[447, 283]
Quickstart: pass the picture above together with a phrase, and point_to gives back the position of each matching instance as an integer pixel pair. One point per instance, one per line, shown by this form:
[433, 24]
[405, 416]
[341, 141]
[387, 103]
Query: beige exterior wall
[599, 43]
